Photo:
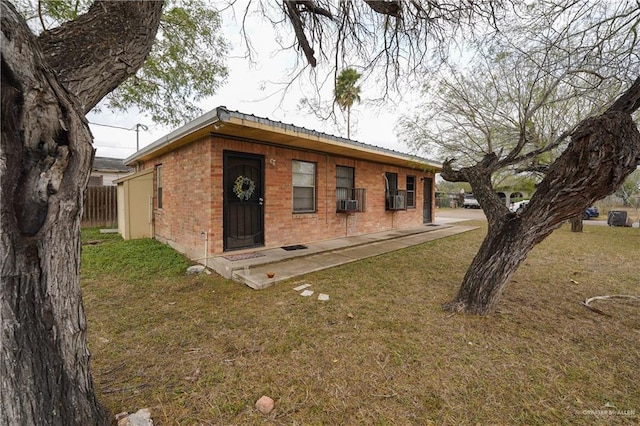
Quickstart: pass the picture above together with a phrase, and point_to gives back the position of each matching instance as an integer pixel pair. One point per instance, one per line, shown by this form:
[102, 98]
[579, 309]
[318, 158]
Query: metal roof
[224, 122]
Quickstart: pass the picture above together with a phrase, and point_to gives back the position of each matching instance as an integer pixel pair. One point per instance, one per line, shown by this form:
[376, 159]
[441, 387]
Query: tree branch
[487, 165]
[313, 8]
[450, 174]
[509, 161]
[479, 176]
[603, 151]
[93, 54]
[629, 102]
[389, 8]
[541, 169]
[294, 16]
[587, 302]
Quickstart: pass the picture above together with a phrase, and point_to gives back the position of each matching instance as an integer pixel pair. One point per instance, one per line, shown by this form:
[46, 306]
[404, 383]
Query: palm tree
[346, 92]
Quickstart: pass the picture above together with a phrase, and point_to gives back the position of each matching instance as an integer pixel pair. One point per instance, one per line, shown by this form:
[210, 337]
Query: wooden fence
[100, 207]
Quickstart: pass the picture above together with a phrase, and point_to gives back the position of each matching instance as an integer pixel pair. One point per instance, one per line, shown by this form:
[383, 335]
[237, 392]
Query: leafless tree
[587, 51]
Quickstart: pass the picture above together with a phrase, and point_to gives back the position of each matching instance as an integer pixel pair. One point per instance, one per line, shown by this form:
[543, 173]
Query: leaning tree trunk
[45, 163]
[503, 250]
[603, 151]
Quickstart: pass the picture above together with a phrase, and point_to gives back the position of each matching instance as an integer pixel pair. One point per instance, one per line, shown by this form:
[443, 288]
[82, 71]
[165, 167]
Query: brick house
[229, 181]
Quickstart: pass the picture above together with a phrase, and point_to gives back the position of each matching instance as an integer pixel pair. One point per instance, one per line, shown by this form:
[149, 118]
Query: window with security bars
[395, 199]
[345, 178]
[348, 198]
[304, 187]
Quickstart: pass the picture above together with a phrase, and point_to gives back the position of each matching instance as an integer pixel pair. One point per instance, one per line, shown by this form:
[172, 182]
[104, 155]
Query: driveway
[444, 216]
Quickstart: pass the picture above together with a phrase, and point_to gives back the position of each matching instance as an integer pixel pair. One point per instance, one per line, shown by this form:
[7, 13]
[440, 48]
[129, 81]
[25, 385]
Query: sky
[252, 89]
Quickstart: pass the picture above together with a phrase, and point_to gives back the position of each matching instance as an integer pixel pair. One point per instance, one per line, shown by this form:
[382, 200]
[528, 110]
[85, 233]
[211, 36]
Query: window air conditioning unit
[397, 202]
[348, 205]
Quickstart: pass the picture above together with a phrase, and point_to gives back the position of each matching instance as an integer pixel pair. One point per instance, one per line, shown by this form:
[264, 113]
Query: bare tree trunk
[500, 255]
[45, 163]
[576, 223]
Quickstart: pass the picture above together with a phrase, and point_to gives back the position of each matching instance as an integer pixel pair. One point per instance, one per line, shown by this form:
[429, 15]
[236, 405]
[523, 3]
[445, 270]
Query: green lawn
[202, 350]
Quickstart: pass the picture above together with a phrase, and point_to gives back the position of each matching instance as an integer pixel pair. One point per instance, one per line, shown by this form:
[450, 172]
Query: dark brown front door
[243, 200]
[426, 203]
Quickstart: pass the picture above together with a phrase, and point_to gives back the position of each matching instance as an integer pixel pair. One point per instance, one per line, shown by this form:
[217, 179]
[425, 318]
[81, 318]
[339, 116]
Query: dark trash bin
[617, 218]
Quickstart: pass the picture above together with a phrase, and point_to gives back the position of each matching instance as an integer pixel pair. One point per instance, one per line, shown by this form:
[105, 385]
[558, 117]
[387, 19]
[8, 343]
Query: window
[411, 192]
[392, 181]
[395, 199]
[348, 198]
[344, 182]
[159, 184]
[304, 186]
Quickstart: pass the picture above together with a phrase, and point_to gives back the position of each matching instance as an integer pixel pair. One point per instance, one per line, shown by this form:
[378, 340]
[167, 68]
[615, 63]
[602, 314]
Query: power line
[112, 146]
[112, 126]
[136, 127]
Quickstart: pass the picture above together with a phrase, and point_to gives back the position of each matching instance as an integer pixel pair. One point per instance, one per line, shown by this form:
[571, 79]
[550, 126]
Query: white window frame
[298, 181]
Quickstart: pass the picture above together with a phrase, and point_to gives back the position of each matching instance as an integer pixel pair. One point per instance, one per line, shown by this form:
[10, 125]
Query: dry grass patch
[202, 350]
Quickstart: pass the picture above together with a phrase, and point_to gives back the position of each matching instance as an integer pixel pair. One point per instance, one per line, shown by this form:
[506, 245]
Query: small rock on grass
[265, 404]
[141, 417]
[195, 269]
[302, 287]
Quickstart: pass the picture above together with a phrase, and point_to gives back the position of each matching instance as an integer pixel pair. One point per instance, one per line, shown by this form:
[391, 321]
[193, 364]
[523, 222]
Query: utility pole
[138, 127]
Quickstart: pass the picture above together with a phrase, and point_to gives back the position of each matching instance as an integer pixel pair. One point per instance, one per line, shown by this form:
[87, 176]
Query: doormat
[243, 256]
[294, 247]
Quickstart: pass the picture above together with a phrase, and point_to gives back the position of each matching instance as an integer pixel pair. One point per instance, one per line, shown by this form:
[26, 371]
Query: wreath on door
[244, 187]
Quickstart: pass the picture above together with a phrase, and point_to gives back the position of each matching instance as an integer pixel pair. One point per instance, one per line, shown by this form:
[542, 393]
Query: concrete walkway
[252, 268]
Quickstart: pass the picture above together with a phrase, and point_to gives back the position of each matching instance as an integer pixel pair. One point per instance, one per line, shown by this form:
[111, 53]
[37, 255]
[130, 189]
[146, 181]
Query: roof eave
[166, 143]
[229, 123]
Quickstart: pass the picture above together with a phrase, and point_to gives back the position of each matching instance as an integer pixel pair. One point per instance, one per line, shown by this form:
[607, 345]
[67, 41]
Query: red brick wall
[193, 193]
[186, 198]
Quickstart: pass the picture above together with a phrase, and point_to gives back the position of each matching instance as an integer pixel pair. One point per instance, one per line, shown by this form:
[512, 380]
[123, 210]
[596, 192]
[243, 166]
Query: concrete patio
[252, 268]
